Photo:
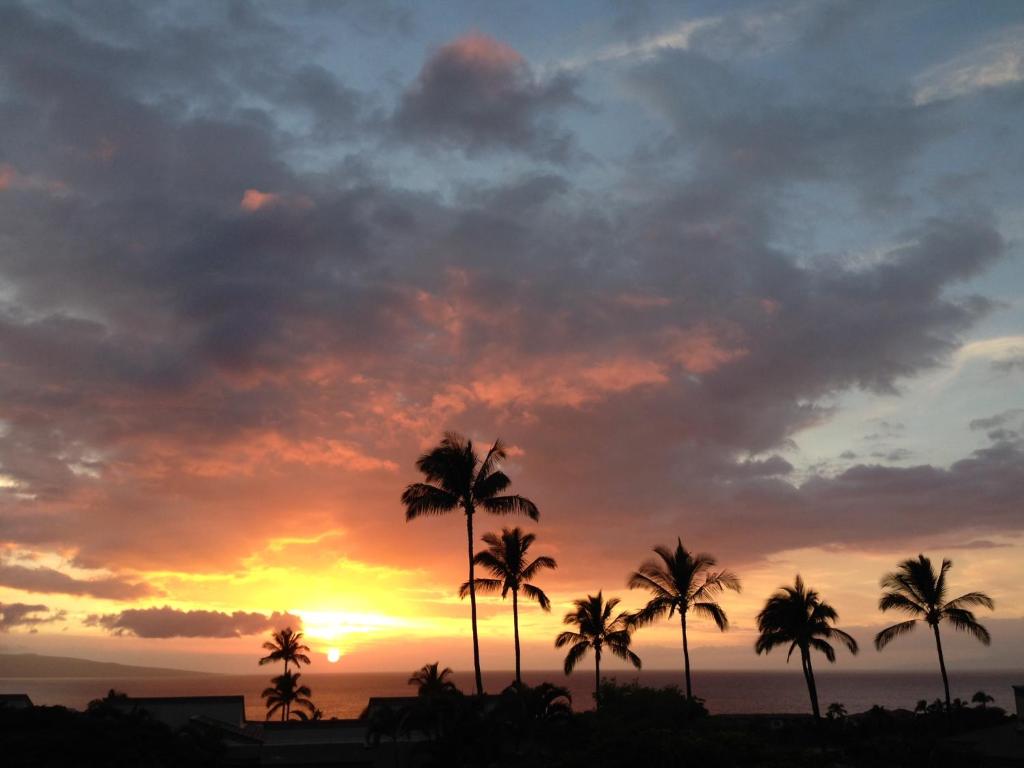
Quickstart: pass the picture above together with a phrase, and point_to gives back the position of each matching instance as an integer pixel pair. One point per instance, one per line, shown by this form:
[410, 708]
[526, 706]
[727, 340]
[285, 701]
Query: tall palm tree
[598, 630]
[915, 589]
[798, 616]
[506, 559]
[285, 645]
[457, 479]
[682, 582]
[431, 681]
[286, 693]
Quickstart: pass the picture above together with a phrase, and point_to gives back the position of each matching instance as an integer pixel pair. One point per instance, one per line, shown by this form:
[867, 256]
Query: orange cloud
[254, 200]
[484, 51]
[700, 350]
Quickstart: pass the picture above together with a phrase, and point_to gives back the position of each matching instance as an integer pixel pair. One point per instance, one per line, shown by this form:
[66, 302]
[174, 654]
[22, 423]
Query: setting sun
[333, 655]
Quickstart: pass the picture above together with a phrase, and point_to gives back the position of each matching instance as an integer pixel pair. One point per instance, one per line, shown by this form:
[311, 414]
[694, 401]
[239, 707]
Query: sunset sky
[749, 274]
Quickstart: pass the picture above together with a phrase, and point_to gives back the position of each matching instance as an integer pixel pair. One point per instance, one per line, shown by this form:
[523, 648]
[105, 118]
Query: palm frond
[652, 578]
[575, 654]
[494, 563]
[824, 647]
[900, 602]
[766, 641]
[537, 595]
[845, 638]
[490, 486]
[971, 599]
[543, 561]
[564, 638]
[656, 608]
[494, 457]
[511, 505]
[623, 652]
[486, 586]
[421, 500]
[889, 634]
[964, 621]
[714, 612]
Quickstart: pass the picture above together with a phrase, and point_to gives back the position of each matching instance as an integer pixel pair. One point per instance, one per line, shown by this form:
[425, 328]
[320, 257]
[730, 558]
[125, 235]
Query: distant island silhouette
[35, 665]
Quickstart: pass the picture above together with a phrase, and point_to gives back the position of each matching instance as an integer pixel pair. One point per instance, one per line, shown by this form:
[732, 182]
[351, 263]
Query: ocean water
[345, 694]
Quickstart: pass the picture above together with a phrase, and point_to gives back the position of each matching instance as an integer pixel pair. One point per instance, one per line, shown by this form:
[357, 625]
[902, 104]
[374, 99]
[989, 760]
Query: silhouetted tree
[285, 646]
[456, 478]
[982, 699]
[506, 559]
[286, 693]
[431, 681]
[836, 711]
[682, 582]
[797, 616]
[915, 589]
[598, 630]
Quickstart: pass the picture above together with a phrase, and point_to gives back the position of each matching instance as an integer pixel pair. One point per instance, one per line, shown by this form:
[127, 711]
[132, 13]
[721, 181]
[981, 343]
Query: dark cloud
[169, 622]
[476, 94]
[25, 616]
[50, 581]
[998, 420]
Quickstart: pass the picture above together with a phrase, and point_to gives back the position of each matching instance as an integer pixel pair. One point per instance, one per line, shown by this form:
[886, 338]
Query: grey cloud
[50, 581]
[26, 616]
[477, 94]
[998, 420]
[752, 131]
[170, 622]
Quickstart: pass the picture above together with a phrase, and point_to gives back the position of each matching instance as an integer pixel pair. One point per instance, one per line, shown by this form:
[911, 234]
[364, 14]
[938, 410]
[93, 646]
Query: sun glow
[333, 655]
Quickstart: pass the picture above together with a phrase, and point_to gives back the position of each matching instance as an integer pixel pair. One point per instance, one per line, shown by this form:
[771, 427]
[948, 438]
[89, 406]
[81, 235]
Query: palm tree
[431, 681]
[798, 616]
[286, 693]
[982, 699]
[836, 711]
[598, 630]
[458, 479]
[505, 557]
[915, 589]
[285, 646]
[682, 582]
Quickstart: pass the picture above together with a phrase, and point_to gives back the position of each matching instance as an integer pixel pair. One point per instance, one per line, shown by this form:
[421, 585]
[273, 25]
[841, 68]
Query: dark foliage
[45, 737]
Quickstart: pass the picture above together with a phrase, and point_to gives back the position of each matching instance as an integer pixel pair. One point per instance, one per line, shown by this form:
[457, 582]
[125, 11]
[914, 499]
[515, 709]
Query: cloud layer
[167, 622]
[237, 296]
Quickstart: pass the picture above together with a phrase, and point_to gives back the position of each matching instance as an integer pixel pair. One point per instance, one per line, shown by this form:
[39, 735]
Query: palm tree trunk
[515, 625]
[686, 656]
[597, 676]
[812, 688]
[942, 666]
[472, 604]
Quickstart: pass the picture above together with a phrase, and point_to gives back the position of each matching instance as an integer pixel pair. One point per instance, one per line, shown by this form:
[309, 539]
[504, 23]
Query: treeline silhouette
[639, 725]
[457, 479]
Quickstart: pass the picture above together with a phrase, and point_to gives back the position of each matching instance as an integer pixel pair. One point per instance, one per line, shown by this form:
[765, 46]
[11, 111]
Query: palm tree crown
[797, 616]
[506, 559]
[432, 681]
[285, 645]
[680, 583]
[287, 693]
[596, 629]
[457, 479]
[917, 591]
